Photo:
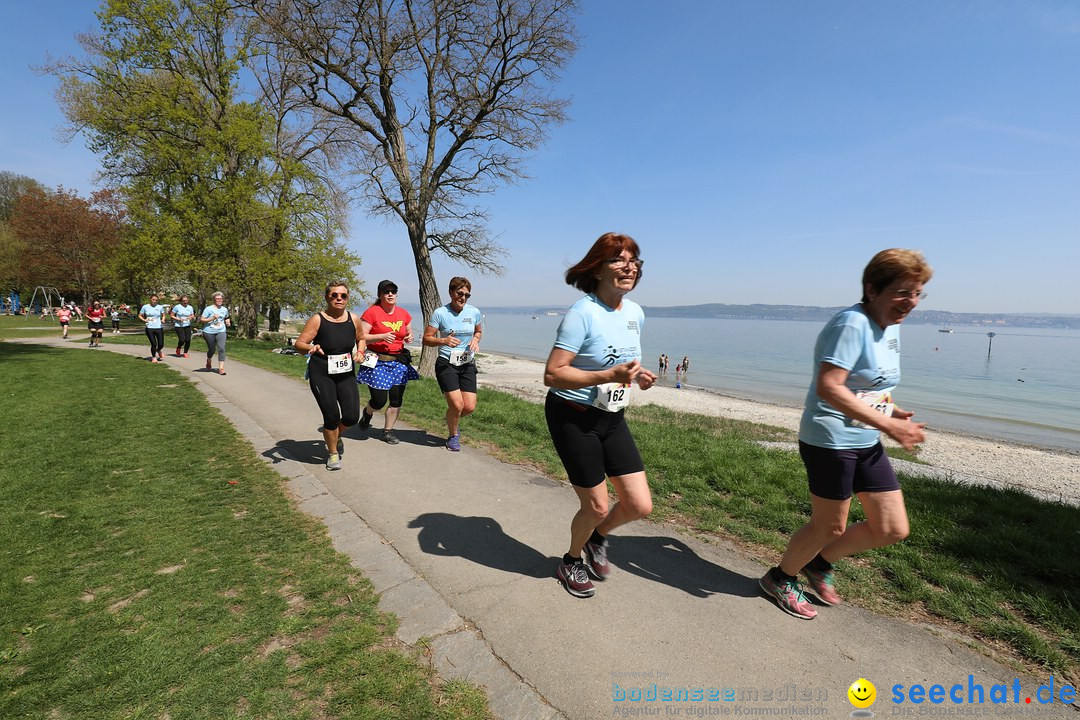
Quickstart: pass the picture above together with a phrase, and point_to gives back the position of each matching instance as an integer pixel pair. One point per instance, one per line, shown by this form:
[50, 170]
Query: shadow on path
[672, 562]
[312, 452]
[481, 540]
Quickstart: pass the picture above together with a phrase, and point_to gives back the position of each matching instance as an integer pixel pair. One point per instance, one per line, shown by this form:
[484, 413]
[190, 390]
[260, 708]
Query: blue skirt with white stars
[386, 374]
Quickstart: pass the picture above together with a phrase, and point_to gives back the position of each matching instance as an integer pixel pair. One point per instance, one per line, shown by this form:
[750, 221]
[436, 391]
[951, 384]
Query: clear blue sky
[760, 152]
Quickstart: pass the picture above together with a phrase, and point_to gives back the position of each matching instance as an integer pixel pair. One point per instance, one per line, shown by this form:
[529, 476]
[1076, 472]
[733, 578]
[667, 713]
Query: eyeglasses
[339, 296]
[463, 294]
[618, 263]
[389, 292]
[909, 294]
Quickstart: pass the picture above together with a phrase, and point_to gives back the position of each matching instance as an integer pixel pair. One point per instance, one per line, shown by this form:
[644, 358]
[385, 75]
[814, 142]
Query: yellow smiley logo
[862, 693]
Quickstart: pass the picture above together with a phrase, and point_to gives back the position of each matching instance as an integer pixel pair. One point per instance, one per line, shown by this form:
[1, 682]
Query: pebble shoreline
[1049, 474]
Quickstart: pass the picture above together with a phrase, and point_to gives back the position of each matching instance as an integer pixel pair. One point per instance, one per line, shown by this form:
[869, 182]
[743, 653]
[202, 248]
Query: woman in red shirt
[95, 318]
[387, 329]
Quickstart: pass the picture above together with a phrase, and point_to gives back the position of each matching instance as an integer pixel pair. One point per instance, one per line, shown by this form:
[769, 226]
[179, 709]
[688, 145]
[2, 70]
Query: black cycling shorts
[455, 377]
[592, 443]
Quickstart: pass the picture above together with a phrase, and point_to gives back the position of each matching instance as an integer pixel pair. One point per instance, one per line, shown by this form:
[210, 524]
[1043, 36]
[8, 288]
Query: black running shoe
[389, 437]
[365, 421]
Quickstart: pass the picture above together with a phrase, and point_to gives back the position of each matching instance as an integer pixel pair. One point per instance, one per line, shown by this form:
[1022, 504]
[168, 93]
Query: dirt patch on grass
[120, 605]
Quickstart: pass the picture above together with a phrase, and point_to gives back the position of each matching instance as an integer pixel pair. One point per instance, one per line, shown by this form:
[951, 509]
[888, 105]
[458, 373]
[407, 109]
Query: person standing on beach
[95, 319]
[152, 313]
[333, 340]
[215, 331]
[848, 406]
[182, 314]
[63, 314]
[685, 364]
[456, 328]
[591, 371]
[387, 328]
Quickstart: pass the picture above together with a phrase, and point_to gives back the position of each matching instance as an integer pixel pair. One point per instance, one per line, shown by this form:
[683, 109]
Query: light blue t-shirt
[153, 313]
[600, 337]
[183, 314]
[461, 325]
[216, 315]
[871, 355]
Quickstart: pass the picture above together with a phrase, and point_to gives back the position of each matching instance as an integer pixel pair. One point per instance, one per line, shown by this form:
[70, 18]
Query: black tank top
[333, 337]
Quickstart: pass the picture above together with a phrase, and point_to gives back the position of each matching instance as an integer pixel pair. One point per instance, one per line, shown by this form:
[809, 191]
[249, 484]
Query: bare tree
[441, 99]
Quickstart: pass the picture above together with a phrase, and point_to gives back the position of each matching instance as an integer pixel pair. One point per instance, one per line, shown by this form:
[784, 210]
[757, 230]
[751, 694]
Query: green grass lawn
[152, 566]
[997, 564]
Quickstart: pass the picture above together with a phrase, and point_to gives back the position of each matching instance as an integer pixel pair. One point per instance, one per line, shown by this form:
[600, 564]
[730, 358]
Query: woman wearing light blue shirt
[848, 406]
[152, 314]
[215, 319]
[182, 314]
[456, 328]
[592, 370]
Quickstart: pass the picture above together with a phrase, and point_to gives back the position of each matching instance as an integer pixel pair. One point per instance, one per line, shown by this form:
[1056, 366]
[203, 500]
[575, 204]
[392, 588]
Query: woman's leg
[593, 511]
[886, 524]
[634, 503]
[221, 352]
[828, 518]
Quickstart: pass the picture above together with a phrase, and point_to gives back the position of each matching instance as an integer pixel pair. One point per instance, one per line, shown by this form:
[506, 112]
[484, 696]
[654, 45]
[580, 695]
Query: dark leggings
[157, 339]
[338, 395]
[183, 338]
[395, 395]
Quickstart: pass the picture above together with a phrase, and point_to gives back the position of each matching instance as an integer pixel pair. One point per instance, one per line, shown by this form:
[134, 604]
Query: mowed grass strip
[152, 566]
[998, 564]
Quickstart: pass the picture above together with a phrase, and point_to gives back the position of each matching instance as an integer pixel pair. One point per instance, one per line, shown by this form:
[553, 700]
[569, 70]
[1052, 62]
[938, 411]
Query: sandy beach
[1048, 474]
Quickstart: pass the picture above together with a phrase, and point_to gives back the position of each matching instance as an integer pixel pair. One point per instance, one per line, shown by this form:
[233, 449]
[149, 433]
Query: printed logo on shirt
[632, 326]
[395, 326]
[615, 355]
[894, 345]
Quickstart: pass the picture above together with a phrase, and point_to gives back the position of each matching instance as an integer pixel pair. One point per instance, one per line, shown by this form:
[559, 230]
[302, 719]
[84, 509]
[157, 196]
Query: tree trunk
[275, 317]
[247, 317]
[429, 294]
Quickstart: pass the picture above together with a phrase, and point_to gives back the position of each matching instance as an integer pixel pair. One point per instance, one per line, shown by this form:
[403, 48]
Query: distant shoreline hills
[945, 319]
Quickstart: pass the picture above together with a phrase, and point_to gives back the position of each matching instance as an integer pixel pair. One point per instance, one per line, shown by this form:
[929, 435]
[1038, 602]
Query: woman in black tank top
[334, 342]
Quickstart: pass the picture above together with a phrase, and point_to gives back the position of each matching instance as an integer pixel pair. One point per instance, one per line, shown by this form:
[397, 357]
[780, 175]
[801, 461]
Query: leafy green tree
[214, 203]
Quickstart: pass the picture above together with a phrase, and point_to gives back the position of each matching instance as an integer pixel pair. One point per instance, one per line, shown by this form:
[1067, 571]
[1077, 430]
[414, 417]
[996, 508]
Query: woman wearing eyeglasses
[333, 340]
[848, 406]
[387, 329]
[591, 371]
[456, 328]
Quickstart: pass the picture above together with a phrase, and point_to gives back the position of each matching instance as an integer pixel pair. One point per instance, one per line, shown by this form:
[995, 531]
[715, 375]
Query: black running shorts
[455, 377]
[592, 443]
[838, 474]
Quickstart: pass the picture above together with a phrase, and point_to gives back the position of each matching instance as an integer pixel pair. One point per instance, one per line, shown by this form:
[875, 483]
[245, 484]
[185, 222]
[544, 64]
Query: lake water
[1028, 391]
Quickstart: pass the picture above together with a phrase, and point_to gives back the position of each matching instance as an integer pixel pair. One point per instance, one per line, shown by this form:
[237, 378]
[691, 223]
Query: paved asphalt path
[463, 549]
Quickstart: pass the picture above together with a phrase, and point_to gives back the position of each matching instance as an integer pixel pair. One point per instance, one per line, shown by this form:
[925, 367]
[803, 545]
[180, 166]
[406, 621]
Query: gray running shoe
[333, 462]
[389, 437]
[596, 561]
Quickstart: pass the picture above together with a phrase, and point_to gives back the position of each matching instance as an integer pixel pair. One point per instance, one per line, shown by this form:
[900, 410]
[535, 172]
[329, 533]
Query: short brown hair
[890, 265]
[609, 245]
[456, 283]
[336, 283]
